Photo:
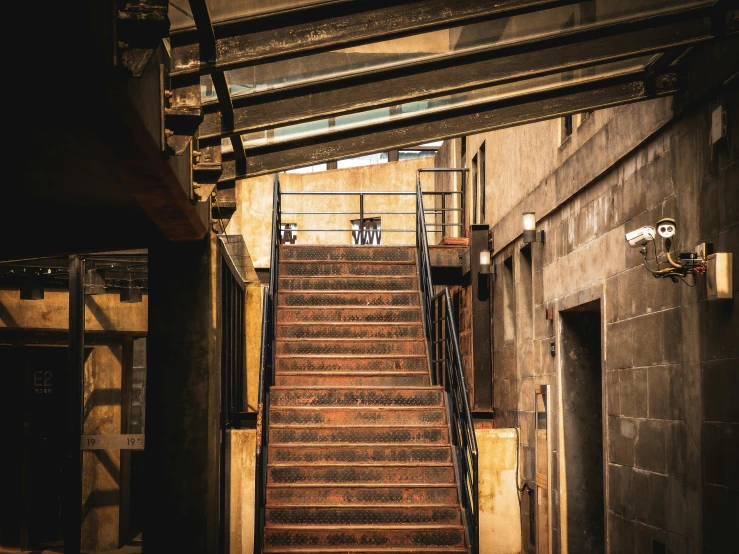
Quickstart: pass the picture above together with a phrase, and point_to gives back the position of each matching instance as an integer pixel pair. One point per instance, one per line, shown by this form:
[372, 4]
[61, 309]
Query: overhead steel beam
[495, 67]
[207, 50]
[266, 38]
[468, 121]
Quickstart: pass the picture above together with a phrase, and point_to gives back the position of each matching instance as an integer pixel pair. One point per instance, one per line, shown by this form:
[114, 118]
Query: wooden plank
[263, 39]
[259, 112]
[482, 118]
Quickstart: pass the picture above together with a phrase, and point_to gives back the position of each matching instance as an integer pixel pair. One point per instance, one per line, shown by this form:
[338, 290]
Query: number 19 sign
[112, 442]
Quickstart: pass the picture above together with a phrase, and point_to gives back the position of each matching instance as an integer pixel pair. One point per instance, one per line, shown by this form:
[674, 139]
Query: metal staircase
[356, 448]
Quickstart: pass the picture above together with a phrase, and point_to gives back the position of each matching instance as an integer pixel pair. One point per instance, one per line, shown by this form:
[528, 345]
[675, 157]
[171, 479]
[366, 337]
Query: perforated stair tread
[380, 388]
[349, 323]
[400, 527]
[352, 357]
[367, 465]
[329, 340]
[362, 485]
[429, 550]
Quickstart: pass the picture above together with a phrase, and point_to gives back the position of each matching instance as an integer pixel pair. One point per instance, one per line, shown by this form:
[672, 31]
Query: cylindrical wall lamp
[529, 229]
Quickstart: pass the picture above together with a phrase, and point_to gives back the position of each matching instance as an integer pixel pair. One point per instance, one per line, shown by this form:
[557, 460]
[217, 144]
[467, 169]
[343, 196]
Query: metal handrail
[266, 372]
[453, 381]
[362, 213]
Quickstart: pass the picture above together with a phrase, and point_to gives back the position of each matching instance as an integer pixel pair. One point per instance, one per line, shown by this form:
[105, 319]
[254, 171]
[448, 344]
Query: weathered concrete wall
[253, 315]
[103, 312]
[183, 400]
[498, 500]
[253, 217]
[240, 470]
[669, 355]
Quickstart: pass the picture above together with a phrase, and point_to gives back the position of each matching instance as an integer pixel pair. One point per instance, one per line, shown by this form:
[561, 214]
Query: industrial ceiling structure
[194, 95]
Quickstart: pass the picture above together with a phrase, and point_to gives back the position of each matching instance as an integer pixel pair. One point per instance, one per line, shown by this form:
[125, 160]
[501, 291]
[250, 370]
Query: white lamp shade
[529, 221]
[484, 257]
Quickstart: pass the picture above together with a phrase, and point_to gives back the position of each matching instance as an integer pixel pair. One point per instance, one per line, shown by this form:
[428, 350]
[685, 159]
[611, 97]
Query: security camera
[666, 227]
[640, 237]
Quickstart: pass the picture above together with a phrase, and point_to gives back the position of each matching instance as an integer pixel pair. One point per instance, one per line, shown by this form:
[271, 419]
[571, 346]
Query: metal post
[361, 219]
[73, 470]
[443, 216]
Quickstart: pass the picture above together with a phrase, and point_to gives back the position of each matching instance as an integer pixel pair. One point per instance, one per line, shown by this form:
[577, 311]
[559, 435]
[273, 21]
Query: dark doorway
[582, 408]
[33, 384]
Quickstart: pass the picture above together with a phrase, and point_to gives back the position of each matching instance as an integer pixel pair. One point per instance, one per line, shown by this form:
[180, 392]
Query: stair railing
[450, 374]
[266, 372]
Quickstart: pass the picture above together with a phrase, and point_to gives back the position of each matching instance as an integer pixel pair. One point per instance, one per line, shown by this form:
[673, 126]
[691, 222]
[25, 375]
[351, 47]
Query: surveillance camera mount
[687, 264]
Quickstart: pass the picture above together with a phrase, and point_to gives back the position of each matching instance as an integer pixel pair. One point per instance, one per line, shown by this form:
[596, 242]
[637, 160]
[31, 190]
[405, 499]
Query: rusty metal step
[375, 515]
[347, 253]
[347, 269]
[385, 416]
[341, 473]
[358, 434]
[385, 347]
[340, 538]
[368, 550]
[356, 396]
[336, 494]
[409, 331]
[352, 378]
[351, 298]
[375, 454]
[354, 314]
[351, 363]
[386, 283]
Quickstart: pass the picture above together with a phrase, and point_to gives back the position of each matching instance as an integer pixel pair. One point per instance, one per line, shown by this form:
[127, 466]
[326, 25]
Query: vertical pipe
[76, 351]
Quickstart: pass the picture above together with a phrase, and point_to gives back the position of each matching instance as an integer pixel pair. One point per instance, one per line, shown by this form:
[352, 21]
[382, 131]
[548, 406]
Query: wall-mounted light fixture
[529, 229]
[485, 264]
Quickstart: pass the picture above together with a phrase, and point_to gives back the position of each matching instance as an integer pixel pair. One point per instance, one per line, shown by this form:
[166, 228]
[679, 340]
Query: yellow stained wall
[254, 296]
[241, 458]
[101, 468]
[253, 217]
[104, 312]
[500, 512]
[101, 390]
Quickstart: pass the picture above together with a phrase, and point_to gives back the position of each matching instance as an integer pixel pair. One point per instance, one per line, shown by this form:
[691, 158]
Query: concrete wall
[670, 356]
[104, 312]
[101, 469]
[253, 217]
[241, 474]
[111, 325]
[253, 315]
[498, 500]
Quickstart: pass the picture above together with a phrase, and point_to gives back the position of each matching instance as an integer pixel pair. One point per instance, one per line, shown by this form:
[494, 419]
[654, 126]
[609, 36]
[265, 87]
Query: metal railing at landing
[439, 327]
[364, 233]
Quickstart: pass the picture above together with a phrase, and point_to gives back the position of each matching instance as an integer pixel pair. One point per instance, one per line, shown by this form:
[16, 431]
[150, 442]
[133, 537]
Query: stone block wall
[670, 357]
